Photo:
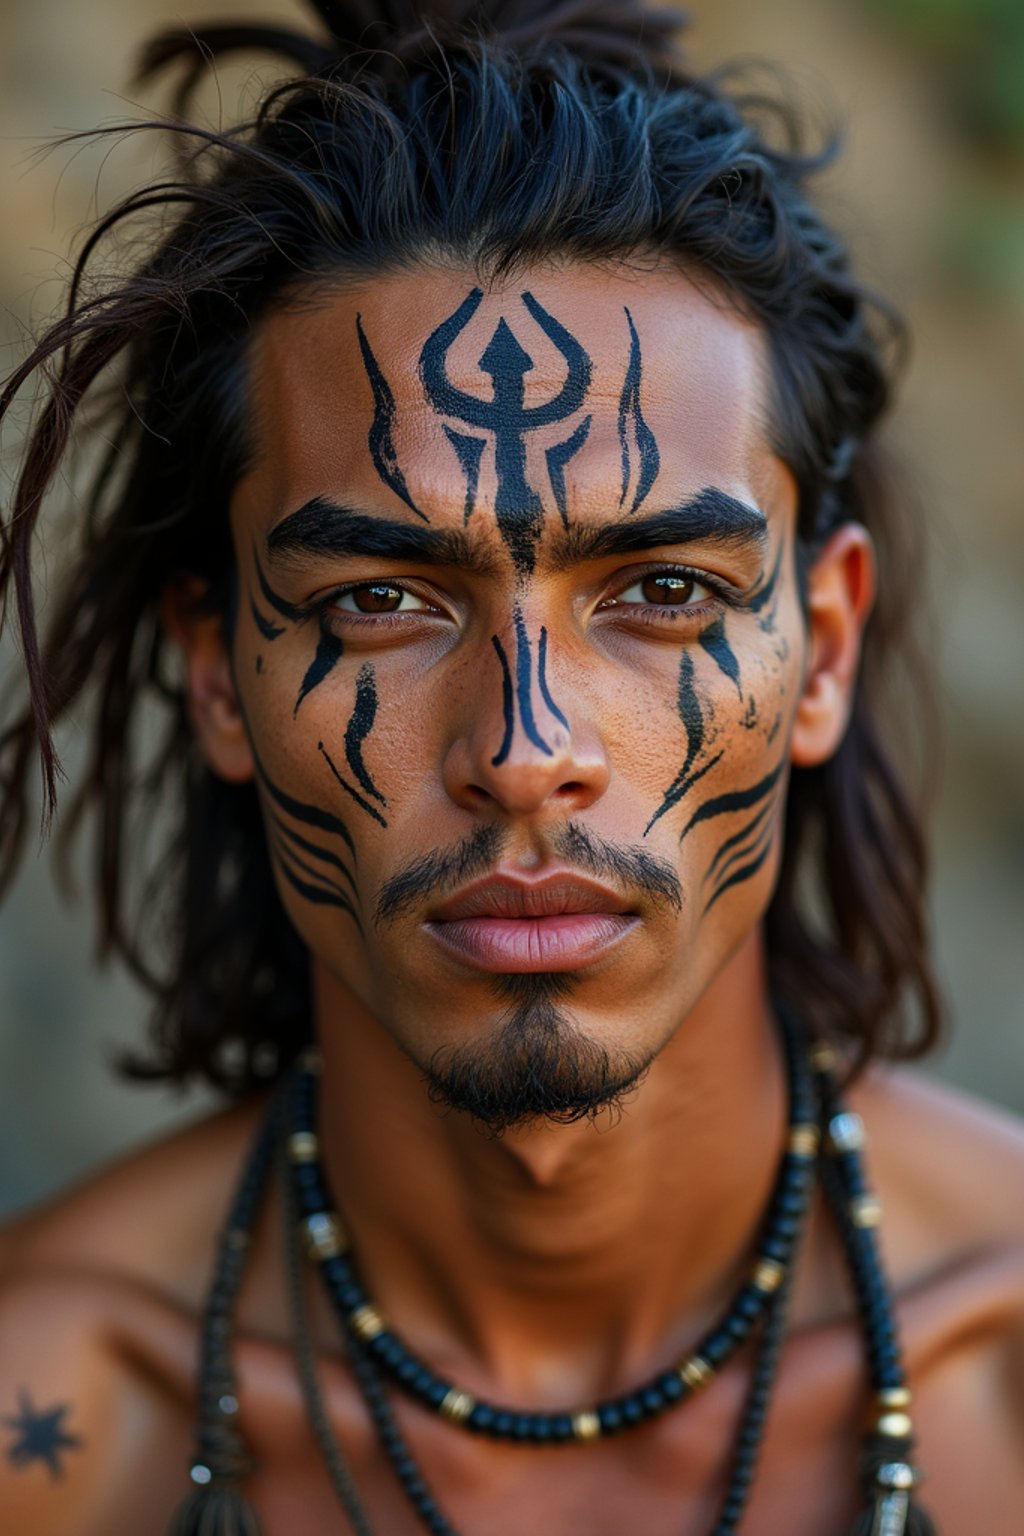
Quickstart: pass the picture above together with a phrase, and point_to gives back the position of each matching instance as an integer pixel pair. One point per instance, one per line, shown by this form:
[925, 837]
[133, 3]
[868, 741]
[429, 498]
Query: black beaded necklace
[367, 1330]
[217, 1508]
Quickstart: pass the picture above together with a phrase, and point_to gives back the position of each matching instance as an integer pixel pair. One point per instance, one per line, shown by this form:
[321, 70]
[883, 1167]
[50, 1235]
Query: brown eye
[378, 597]
[665, 588]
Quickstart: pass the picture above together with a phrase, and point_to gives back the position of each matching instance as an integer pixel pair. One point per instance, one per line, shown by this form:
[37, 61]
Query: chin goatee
[535, 1065]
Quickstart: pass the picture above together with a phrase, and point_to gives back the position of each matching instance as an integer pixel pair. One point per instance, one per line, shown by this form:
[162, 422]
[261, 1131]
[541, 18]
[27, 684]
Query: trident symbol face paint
[507, 417]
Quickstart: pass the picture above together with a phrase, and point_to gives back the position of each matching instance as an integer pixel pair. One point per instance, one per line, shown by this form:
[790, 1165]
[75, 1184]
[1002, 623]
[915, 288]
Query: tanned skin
[517, 673]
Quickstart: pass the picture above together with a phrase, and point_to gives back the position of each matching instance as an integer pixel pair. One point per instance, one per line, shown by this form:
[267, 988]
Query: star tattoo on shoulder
[40, 1435]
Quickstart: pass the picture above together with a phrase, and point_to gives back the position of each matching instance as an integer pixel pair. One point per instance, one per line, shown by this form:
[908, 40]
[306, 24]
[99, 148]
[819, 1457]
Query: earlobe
[211, 696]
[840, 590]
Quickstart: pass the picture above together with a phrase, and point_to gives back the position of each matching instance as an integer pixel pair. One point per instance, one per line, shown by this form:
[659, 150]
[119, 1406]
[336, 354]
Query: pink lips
[561, 923]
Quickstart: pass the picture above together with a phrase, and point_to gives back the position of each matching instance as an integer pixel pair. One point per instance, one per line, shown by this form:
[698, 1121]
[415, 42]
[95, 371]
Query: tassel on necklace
[888, 1482]
[215, 1511]
[216, 1506]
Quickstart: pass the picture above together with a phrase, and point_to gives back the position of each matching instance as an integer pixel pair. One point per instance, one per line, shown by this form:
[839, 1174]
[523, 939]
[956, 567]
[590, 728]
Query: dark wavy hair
[495, 133]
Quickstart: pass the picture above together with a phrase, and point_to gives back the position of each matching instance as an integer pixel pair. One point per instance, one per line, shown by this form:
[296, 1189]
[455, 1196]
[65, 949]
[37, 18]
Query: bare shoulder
[98, 1291]
[949, 1165]
[145, 1217]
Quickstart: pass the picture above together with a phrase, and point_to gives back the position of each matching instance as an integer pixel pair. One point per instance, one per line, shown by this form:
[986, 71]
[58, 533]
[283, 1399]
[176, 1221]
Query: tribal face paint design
[360, 724]
[743, 852]
[381, 438]
[329, 649]
[517, 694]
[318, 856]
[509, 420]
[632, 424]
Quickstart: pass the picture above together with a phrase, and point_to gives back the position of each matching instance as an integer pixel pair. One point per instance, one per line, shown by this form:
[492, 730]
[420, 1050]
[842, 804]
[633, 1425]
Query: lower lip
[564, 943]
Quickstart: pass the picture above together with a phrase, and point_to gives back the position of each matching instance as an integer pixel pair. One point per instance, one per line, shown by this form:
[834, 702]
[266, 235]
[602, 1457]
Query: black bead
[481, 1419]
[717, 1347]
[609, 1417]
[652, 1400]
[670, 1386]
[632, 1409]
[561, 1426]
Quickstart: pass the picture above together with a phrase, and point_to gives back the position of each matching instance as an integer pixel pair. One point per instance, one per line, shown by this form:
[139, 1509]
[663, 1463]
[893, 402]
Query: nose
[517, 751]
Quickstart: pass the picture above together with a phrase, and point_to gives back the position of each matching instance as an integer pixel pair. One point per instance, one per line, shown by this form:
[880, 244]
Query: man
[546, 594]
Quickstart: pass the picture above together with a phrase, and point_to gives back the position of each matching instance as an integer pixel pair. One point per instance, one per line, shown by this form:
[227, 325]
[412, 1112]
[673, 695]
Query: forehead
[655, 339]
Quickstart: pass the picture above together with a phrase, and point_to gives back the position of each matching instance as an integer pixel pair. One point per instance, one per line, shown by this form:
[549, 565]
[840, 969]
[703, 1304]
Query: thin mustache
[442, 872]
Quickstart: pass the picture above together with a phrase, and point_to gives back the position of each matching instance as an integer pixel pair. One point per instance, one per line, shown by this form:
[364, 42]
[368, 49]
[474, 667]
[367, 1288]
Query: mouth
[503, 923]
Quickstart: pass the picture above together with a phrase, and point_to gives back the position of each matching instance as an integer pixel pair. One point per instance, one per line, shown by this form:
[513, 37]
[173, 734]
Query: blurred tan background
[930, 191]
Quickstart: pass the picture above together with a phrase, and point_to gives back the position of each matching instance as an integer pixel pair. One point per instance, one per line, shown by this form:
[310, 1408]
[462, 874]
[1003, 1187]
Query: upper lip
[506, 895]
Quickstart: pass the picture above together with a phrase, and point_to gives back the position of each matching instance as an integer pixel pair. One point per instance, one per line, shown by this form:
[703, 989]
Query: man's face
[519, 649]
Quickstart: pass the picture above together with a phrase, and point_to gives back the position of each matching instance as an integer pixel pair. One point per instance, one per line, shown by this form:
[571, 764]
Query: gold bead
[325, 1237]
[310, 1059]
[768, 1275]
[695, 1372]
[822, 1056]
[865, 1210]
[457, 1405]
[804, 1141]
[896, 1426]
[586, 1425]
[303, 1147]
[894, 1397]
[367, 1322]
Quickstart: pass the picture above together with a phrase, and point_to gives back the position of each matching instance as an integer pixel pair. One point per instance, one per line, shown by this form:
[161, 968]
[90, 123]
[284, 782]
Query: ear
[209, 684]
[840, 591]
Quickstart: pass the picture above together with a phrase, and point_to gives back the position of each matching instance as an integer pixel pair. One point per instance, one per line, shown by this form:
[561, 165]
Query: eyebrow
[324, 527]
[710, 517]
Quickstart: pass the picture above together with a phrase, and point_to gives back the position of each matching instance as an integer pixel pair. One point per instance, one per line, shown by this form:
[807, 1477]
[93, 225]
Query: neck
[558, 1263]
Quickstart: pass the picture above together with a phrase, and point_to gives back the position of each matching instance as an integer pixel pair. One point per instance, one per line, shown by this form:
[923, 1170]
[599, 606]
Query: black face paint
[734, 800]
[557, 458]
[542, 678]
[750, 715]
[329, 652]
[506, 416]
[752, 842]
[360, 725]
[41, 1436]
[316, 885]
[713, 641]
[380, 439]
[469, 451]
[277, 602]
[507, 704]
[267, 628]
[523, 690]
[765, 594]
[363, 804]
[311, 883]
[631, 418]
[259, 663]
[692, 716]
